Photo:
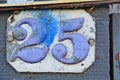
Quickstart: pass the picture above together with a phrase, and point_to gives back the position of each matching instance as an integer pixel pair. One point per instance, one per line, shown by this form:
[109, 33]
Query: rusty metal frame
[57, 4]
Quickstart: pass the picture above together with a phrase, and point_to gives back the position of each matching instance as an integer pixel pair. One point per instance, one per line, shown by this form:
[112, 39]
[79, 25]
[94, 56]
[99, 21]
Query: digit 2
[27, 52]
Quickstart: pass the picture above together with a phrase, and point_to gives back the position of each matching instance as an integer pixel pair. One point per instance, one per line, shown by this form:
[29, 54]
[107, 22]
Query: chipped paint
[28, 55]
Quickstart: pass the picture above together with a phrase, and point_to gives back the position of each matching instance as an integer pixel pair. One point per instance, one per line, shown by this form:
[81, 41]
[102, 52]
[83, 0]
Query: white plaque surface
[56, 21]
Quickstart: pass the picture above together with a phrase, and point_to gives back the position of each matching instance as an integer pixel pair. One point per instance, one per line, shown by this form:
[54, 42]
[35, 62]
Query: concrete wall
[100, 70]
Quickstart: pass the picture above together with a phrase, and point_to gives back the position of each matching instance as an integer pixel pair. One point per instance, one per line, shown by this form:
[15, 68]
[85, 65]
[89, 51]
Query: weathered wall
[98, 71]
[3, 1]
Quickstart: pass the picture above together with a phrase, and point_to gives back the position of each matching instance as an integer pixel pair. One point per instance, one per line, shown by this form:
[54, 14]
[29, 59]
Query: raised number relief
[65, 42]
[80, 44]
[27, 52]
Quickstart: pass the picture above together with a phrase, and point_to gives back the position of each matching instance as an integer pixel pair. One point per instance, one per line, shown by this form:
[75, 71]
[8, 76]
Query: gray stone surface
[98, 71]
[116, 44]
[3, 1]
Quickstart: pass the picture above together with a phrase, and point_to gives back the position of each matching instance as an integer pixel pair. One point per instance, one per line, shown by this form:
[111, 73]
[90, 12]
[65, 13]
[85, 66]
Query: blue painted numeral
[26, 52]
[41, 34]
[80, 44]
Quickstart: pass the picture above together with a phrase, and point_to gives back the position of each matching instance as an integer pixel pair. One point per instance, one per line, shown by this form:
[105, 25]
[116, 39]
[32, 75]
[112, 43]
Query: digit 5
[79, 42]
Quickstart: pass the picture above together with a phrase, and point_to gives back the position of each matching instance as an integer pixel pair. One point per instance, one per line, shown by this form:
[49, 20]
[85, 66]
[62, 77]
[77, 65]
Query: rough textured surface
[116, 45]
[114, 8]
[46, 52]
[98, 71]
[3, 1]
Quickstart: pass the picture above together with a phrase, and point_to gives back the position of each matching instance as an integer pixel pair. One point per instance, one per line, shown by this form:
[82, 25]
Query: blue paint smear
[51, 25]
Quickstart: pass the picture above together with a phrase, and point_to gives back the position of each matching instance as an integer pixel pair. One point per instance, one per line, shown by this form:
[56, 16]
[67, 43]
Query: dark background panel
[100, 70]
[3, 1]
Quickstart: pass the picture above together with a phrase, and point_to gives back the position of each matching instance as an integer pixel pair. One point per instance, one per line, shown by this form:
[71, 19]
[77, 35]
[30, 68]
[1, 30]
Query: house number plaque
[51, 41]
